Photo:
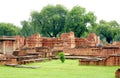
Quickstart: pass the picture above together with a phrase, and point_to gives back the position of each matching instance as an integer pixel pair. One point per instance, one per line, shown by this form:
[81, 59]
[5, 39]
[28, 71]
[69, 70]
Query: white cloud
[14, 11]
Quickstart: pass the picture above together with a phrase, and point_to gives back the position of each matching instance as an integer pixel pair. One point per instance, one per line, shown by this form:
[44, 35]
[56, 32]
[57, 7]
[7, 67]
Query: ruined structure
[7, 44]
[35, 47]
[111, 60]
[117, 73]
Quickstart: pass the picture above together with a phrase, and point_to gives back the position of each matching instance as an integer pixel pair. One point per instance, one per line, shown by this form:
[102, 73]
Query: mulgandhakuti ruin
[89, 51]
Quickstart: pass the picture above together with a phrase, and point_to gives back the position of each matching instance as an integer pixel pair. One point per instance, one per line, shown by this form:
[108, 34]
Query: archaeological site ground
[89, 57]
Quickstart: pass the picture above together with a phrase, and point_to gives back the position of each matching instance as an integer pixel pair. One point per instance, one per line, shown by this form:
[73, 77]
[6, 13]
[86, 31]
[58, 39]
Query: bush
[62, 57]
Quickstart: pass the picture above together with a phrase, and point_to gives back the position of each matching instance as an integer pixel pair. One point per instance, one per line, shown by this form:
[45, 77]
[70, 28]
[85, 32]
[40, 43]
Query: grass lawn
[56, 69]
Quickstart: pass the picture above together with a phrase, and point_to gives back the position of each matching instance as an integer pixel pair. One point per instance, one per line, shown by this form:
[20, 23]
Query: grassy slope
[55, 69]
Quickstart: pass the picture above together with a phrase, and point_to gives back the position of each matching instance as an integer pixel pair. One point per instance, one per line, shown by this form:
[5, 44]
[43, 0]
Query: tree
[117, 37]
[77, 20]
[8, 29]
[50, 20]
[36, 21]
[27, 29]
[108, 29]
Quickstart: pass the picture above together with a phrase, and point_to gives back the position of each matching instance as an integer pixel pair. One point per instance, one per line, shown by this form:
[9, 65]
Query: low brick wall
[92, 51]
[112, 60]
[117, 73]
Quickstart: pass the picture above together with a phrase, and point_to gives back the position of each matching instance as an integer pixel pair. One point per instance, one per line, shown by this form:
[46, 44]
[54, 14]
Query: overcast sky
[14, 11]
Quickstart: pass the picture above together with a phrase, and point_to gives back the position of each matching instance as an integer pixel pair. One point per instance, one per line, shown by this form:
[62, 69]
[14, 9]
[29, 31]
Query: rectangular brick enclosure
[36, 46]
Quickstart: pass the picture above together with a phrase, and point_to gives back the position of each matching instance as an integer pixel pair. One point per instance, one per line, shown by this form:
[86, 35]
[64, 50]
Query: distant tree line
[52, 20]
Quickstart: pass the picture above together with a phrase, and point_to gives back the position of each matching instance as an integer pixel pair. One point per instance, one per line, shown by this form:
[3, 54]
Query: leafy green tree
[114, 24]
[50, 20]
[36, 21]
[117, 37]
[108, 29]
[8, 29]
[78, 19]
[27, 29]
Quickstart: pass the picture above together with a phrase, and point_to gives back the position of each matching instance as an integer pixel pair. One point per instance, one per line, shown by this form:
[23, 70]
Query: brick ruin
[21, 50]
[117, 73]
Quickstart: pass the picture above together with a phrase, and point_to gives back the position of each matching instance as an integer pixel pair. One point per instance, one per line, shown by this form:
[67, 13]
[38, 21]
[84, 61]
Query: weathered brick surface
[33, 41]
[117, 73]
[81, 42]
[20, 42]
[67, 43]
[8, 47]
[116, 43]
[93, 39]
[112, 60]
[68, 40]
[92, 51]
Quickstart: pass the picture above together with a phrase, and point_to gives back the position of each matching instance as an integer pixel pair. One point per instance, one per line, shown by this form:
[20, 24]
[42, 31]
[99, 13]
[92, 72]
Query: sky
[15, 11]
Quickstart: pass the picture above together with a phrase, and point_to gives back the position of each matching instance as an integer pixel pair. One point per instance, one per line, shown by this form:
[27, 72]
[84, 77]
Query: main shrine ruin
[90, 50]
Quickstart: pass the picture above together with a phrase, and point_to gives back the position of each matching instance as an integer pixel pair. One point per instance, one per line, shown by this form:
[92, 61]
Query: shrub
[62, 57]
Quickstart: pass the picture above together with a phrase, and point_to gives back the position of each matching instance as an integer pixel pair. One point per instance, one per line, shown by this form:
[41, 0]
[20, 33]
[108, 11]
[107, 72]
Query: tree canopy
[50, 20]
[109, 30]
[27, 29]
[77, 20]
[53, 20]
[8, 29]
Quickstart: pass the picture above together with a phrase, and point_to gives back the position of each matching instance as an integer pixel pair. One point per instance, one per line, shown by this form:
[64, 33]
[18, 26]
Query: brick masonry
[67, 42]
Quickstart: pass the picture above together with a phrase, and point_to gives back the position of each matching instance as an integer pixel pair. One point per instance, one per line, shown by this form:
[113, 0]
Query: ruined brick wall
[110, 61]
[92, 51]
[116, 43]
[66, 42]
[93, 39]
[117, 73]
[20, 42]
[55, 44]
[68, 39]
[48, 42]
[84, 51]
[33, 41]
[113, 60]
[58, 46]
[9, 47]
[81, 42]
[78, 51]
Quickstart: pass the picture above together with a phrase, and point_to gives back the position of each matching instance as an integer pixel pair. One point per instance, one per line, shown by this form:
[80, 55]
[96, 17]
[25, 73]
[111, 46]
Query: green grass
[56, 69]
